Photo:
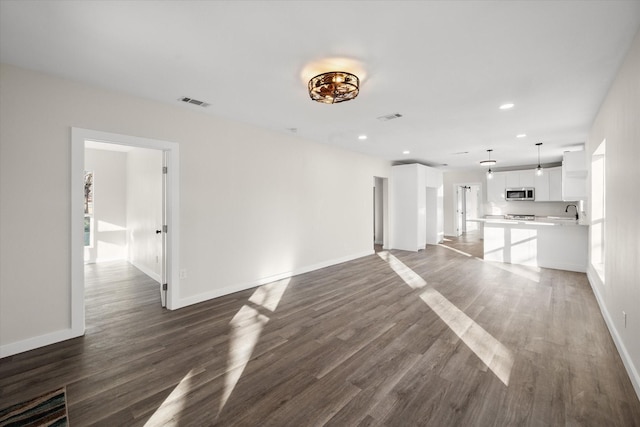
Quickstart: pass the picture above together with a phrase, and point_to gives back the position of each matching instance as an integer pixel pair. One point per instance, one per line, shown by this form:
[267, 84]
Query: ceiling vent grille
[194, 102]
[389, 117]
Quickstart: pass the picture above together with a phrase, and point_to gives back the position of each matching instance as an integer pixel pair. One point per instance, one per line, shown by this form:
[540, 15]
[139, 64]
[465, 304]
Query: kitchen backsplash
[531, 208]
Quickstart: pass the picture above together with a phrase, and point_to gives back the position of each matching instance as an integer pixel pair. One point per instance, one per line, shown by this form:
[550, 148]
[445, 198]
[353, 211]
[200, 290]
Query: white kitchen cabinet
[496, 186]
[523, 178]
[574, 176]
[555, 184]
[549, 185]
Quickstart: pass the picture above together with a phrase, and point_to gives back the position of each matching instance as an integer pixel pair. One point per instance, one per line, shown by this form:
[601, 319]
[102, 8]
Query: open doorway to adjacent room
[125, 195]
[468, 209]
[380, 213]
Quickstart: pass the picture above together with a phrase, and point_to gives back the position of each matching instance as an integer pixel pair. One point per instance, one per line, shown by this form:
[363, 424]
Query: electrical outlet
[183, 273]
[624, 318]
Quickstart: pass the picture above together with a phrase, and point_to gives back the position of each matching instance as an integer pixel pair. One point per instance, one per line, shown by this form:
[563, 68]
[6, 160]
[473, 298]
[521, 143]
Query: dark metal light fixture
[539, 168]
[489, 163]
[334, 87]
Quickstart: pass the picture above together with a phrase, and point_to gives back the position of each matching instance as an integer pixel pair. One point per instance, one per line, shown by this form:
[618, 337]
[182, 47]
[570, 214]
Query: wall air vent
[389, 117]
[194, 102]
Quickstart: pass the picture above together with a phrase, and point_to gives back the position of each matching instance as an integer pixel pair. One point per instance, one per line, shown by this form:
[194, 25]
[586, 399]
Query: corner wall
[255, 204]
[618, 122]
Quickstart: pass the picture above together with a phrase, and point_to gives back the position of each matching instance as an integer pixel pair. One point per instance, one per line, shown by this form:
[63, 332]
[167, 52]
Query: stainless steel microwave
[523, 193]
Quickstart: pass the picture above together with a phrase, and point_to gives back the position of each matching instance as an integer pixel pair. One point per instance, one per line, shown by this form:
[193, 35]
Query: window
[88, 209]
[598, 195]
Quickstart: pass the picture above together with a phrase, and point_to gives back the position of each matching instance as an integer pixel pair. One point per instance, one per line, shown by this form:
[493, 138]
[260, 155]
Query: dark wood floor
[353, 344]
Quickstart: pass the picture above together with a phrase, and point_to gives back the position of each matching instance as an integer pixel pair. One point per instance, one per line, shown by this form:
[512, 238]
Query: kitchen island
[550, 242]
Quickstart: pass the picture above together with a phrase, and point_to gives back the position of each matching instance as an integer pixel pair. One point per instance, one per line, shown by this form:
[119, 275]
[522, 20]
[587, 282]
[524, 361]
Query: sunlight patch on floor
[246, 327]
[269, 295]
[455, 250]
[489, 350]
[174, 403]
[492, 352]
[409, 276]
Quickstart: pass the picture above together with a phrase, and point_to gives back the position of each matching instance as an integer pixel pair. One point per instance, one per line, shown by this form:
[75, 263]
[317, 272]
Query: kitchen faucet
[567, 210]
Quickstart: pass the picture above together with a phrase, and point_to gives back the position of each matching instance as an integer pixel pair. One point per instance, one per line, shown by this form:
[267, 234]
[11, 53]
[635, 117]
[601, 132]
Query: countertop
[540, 220]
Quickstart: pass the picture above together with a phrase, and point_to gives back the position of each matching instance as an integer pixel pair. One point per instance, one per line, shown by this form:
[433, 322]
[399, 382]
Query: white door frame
[455, 200]
[78, 138]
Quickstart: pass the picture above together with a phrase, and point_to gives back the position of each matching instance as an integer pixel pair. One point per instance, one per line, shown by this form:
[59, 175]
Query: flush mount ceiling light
[488, 162]
[507, 106]
[334, 87]
[539, 168]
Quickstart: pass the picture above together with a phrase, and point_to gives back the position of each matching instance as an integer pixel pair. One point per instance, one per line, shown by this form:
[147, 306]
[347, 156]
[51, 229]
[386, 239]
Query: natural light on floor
[455, 250]
[245, 330]
[489, 350]
[408, 275]
[246, 327]
[174, 403]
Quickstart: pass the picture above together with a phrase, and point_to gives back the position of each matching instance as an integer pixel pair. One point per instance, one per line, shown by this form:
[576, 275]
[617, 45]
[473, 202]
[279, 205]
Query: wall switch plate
[183, 273]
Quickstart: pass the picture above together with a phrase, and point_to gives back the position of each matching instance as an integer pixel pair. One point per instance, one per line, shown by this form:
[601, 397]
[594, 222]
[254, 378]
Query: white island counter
[543, 242]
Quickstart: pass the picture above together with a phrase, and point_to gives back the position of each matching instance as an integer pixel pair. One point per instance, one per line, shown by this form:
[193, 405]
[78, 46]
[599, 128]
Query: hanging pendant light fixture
[489, 163]
[539, 168]
[334, 87]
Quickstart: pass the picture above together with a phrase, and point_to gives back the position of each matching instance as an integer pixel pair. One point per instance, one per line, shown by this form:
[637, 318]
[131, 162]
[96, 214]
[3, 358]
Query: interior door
[164, 230]
[459, 211]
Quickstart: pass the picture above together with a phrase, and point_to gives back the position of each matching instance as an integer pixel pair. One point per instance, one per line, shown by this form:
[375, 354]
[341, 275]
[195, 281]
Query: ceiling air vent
[194, 102]
[389, 117]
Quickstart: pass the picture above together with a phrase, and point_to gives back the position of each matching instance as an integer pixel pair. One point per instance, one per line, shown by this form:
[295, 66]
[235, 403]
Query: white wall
[144, 210]
[110, 221]
[255, 204]
[618, 122]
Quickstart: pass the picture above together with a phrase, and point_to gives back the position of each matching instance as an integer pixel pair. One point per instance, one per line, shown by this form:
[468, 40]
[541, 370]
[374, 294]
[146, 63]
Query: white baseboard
[632, 370]
[155, 276]
[36, 342]
[205, 296]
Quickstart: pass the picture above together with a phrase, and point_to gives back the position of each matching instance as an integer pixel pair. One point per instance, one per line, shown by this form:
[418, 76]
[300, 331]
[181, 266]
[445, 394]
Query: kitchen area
[536, 217]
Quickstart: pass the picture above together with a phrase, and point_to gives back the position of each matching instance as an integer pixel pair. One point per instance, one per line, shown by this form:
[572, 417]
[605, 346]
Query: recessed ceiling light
[362, 137]
[507, 106]
[521, 135]
[406, 152]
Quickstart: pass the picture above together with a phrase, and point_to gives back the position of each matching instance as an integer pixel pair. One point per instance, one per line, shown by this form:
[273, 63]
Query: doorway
[380, 213]
[166, 235]
[124, 207]
[467, 209]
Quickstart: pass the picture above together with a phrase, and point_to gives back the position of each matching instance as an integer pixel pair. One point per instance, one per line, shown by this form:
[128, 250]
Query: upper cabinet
[523, 178]
[549, 185]
[574, 176]
[496, 186]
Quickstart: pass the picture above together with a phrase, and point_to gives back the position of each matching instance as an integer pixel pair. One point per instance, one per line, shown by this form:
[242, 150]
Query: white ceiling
[445, 66]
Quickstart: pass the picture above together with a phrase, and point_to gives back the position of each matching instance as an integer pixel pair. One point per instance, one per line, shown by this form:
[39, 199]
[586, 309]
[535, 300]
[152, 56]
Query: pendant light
[539, 168]
[489, 163]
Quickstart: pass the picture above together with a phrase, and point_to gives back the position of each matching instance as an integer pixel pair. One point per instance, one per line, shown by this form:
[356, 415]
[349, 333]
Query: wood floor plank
[351, 344]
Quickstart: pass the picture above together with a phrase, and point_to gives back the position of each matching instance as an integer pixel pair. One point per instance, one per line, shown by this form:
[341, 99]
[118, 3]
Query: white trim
[248, 285]
[632, 371]
[37, 342]
[452, 232]
[78, 138]
[155, 276]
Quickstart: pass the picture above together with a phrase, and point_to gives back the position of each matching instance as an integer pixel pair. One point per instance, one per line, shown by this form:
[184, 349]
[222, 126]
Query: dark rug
[47, 410]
